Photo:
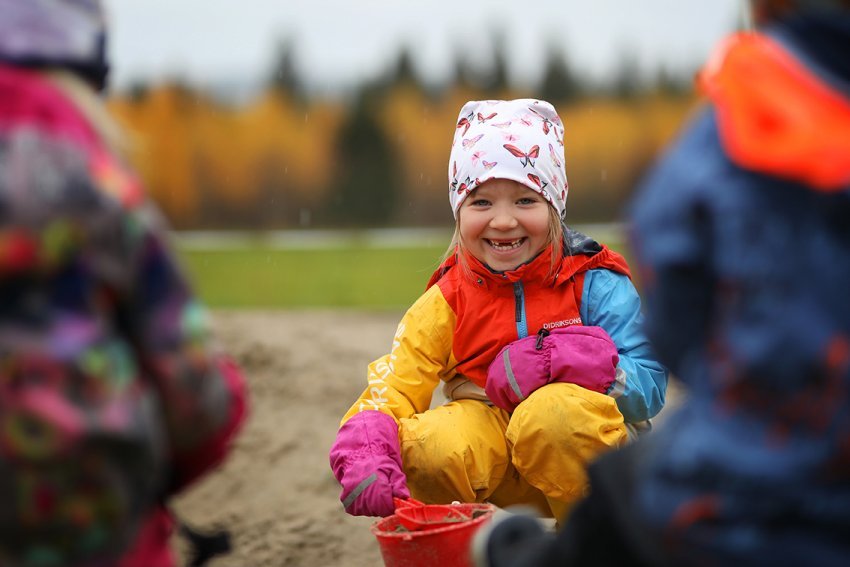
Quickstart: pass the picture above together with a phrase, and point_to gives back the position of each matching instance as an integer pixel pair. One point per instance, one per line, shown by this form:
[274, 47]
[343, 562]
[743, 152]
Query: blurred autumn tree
[284, 77]
[560, 82]
[366, 172]
[286, 159]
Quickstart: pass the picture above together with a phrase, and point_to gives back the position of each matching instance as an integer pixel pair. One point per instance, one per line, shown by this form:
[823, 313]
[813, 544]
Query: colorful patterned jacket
[743, 233]
[94, 310]
[462, 321]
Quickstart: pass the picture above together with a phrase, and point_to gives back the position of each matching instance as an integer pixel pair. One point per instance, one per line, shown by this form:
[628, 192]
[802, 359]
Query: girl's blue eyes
[484, 202]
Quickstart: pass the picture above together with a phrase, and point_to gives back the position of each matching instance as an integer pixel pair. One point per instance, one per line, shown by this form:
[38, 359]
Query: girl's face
[504, 224]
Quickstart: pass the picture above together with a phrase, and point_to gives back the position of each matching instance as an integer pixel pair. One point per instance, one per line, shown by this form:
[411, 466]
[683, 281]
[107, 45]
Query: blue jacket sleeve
[611, 301]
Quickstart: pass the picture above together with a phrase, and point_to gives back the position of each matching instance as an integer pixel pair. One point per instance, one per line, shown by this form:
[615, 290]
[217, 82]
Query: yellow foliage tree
[270, 162]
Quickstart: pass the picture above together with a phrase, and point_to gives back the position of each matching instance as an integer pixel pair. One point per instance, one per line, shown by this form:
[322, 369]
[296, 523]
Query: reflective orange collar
[777, 117]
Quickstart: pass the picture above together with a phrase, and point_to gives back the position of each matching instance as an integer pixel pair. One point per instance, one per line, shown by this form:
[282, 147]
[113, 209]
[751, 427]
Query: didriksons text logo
[563, 323]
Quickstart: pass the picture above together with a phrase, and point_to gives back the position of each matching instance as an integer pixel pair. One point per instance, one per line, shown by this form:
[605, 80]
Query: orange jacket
[512, 305]
[461, 322]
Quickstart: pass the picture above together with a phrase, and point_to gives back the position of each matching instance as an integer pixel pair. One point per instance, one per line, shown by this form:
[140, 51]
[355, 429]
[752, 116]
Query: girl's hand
[581, 355]
[366, 460]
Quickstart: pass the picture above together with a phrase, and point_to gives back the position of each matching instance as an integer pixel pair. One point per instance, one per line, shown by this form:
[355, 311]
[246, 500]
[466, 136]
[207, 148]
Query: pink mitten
[585, 356]
[366, 460]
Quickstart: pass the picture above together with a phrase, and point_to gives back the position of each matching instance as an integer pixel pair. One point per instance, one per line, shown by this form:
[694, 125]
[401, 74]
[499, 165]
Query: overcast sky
[341, 42]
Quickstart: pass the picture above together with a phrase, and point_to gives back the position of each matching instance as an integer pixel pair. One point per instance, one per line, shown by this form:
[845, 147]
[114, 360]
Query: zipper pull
[541, 334]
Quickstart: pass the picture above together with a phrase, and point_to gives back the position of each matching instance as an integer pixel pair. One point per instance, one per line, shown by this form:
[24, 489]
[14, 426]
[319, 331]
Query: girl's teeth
[506, 245]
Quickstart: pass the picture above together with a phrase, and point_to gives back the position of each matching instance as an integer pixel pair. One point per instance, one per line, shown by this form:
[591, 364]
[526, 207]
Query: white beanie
[521, 140]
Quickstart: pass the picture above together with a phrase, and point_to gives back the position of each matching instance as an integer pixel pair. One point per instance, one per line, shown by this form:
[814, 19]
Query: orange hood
[775, 116]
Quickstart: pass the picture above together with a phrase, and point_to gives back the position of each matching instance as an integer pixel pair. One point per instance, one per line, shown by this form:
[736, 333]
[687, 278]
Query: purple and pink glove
[585, 356]
[366, 460]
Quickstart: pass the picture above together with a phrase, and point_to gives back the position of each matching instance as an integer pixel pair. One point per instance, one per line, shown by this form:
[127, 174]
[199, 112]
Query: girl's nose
[503, 221]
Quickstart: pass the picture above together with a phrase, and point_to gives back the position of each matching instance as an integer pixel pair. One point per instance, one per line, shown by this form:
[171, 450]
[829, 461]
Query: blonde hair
[90, 104]
[554, 238]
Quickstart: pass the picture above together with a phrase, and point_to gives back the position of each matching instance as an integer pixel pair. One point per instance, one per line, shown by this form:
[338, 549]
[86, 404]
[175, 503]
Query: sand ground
[276, 493]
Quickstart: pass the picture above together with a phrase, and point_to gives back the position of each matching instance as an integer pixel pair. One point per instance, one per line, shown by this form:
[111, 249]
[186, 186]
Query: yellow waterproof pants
[470, 451]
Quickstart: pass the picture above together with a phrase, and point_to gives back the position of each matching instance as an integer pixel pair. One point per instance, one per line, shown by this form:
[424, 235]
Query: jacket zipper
[521, 322]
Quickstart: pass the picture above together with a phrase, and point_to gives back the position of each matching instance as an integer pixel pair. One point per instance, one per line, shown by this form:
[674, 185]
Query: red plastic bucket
[446, 546]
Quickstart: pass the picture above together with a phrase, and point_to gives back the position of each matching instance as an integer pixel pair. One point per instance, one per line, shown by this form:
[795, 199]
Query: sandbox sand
[276, 493]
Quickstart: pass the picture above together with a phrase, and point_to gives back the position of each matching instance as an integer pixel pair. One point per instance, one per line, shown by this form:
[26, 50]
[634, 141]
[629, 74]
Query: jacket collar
[580, 254]
[537, 270]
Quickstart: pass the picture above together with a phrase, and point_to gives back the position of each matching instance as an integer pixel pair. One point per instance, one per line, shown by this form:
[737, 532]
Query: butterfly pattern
[464, 123]
[468, 143]
[536, 180]
[546, 123]
[518, 139]
[524, 157]
[554, 156]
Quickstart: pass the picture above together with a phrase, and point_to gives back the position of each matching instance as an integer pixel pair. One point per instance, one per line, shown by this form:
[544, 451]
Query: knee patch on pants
[454, 452]
[557, 432]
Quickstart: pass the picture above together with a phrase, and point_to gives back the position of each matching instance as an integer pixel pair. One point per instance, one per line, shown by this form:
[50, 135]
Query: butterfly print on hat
[547, 124]
[467, 184]
[464, 123]
[469, 142]
[554, 156]
[536, 180]
[524, 157]
[453, 184]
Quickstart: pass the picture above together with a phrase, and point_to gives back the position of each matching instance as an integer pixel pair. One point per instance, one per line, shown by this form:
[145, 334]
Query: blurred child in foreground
[112, 396]
[533, 329]
[743, 238]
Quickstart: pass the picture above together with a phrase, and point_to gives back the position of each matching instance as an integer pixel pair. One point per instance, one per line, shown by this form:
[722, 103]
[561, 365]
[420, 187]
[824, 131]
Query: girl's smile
[504, 224]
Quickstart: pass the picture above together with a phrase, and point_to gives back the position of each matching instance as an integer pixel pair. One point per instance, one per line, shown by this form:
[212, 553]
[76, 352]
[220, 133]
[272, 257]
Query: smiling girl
[505, 224]
[533, 329]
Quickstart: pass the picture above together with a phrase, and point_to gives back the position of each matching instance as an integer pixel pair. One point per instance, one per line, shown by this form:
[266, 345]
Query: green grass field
[356, 275]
